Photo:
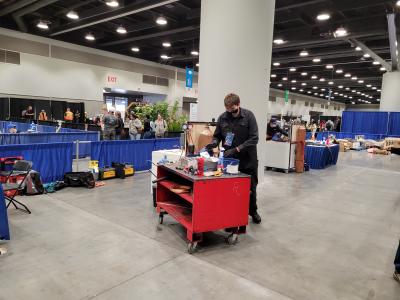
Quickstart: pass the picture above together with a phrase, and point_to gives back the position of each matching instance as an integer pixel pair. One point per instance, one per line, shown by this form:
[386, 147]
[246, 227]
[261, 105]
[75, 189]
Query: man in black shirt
[237, 129]
[28, 113]
[273, 128]
[396, 274]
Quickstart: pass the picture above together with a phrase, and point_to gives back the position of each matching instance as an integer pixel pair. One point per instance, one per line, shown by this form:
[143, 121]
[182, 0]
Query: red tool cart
[207, 204]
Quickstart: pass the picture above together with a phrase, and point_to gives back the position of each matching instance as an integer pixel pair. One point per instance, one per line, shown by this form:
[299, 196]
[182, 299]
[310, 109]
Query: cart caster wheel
[160, 219]
[286, 171]
[192, 246]
[232, 239]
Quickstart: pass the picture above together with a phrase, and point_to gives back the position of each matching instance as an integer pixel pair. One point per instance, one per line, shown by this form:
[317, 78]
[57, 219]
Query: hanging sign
[286, 96]
[189, 78]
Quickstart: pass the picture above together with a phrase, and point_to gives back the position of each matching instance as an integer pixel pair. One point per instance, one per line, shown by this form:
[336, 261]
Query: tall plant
[175, 120]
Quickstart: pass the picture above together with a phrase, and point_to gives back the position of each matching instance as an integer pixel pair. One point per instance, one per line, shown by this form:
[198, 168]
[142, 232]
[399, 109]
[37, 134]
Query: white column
[390, 97]
[235, 57]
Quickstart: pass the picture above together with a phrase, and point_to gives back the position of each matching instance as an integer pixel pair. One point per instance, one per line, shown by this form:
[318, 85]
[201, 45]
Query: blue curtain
[137, 153]
[319, 157]
[365, 122]
[51, 160]
[4, 230]
[394, 124]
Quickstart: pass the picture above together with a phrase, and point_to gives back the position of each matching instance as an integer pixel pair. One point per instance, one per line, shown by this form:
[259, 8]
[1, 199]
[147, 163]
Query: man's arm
[253, 134]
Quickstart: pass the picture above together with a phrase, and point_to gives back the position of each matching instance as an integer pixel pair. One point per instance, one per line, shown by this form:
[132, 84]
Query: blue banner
[189, 78]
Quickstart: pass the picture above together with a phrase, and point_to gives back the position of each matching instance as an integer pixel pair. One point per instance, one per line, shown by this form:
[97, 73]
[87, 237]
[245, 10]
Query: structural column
[235, 57]
[390, 97]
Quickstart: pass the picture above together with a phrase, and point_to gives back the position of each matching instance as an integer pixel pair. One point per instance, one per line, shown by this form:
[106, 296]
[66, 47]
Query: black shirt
[146, 125]
[245, 129]
[271, 131]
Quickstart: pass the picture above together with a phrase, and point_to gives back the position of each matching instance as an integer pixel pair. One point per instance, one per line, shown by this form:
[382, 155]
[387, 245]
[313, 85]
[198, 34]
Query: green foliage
[175, 120]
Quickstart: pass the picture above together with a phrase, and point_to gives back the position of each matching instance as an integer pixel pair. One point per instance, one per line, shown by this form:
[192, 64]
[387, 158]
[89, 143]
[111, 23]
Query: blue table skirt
[348, 135]
[319, 157]
[4, 230]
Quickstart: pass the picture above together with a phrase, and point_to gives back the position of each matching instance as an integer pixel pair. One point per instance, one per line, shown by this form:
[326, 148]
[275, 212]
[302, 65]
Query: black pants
[397, 260]
[253, 188]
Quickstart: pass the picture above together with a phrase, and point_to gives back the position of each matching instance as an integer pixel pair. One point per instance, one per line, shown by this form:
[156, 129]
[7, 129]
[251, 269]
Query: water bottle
[221, 159]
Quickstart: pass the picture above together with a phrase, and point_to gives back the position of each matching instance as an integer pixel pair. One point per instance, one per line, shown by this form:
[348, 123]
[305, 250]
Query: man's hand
[230, 152]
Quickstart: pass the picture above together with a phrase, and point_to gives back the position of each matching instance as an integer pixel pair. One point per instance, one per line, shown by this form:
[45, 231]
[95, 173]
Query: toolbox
[107, 173]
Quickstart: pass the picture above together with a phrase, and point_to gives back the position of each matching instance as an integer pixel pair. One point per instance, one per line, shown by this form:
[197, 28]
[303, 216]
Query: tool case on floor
[107, 173]
[123, 170]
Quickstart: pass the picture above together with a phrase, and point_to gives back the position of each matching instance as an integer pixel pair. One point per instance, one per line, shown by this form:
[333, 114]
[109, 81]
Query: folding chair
[21, 169]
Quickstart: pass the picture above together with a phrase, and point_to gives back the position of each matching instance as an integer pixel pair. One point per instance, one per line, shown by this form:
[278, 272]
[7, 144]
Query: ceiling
[295, 23]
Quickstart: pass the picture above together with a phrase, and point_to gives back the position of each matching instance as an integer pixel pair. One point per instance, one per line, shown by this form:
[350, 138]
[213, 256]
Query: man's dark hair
[231, 99]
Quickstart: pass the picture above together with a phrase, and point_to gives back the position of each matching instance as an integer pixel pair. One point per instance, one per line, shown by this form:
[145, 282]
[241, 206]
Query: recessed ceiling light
[323, 17]
[331, 83]
[198, 65]
[354, 78]
[292, 69]
[340, 32]
[301, 90]
[194, 52]
[339, 71]
[329, 66]
[336, 93]
[293, 88]
[361, 81]
[284, 78]
[321, 95]
[383, 69]
[358, 93]
[43, 25]
[322, 79]
[73, 15]
[303, 53]
[121, 30]
[90, 37]
[314, 77]
[280, 85]
[340, 86]
[369, 85]
[358, 49]
[379, 90]
[316, 94]
[161, 21]
[323, 90]
[376, 63]
[276, 64]
[164, 56]
[304, 74]
[398, 3]
[366, 55]
[347, 75]
[112, 3]
[350, 97]
[294, 81]
[347, 89]
[353, 102]
[341, 95]
[374, 87]
[315, 87]
[279, 41]
[346, 96]
[354, 91]
[273, 75]
[166, 44]
[304, 84]
[309, 92]
[316, 60]
[135, 49]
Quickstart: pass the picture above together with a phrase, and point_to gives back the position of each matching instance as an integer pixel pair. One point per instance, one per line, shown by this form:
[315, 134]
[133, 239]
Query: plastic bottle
[221, 159]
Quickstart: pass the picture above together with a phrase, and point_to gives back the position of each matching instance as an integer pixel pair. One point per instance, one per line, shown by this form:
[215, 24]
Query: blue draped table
[348, 135]
[4, 230]
[319, 157]
[137, 152]
[51, 160]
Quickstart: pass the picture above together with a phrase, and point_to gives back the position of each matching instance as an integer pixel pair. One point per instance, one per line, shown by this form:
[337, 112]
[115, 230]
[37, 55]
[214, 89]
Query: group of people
[69, 116]
[115, 128]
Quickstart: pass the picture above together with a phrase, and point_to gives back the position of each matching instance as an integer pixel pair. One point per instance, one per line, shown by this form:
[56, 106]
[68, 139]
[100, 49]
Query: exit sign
[112, 79]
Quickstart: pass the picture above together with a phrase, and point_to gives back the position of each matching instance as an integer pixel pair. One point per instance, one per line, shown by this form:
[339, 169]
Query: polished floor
[329, 234]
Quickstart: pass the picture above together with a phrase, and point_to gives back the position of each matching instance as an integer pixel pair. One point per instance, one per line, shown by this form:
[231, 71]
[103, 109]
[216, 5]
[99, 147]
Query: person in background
[12, 128]
[160, 127]
[238, 130]
[120, 125]
[109, 123]
[396, 274]
[313, 129]
[77, 116]
[338, 124]
[147, 130]
[273, 128]
[43, 115]
[68, 115]
[86, 119]
[135, 126]
[28, 113]
[329, 126]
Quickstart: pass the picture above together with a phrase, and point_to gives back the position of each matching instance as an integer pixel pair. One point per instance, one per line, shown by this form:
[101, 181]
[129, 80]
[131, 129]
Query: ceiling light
[294, 81]
[112, 3]
[164, 56]
[276, 64]
[340, 86]
[366, 55]
[323, 90]
[135, 49]
[354, 91]
[339, 71]
[194, 52]
[321, 95]
[361, 81]
[369, 85]
[316, 60]
[350, 97]
[273, 75]
[279, 41]
[354, 78]
[293, 88]
[341, 95]
[376, 63]
[346, 96]
[314, 77]
[340, 32]
[161, 21]
[121, 30]
[90, 37]
[315, 87]
[347, 89]
[336, 93]
[301, 90]
[383, 69]
[43, 25]
[374, 87]
[379, 90]
[304, 84]
[73, 15]
[284, 78]
[316, 94]
[323, 17]
[331, 83]
[322, 79]
[353, 103]
[347, 75]
[303, 53]
[358, 93]
[292, 69]
[329, 66]
[309, 92]
[358, 49]
[166, 44]
[198, 65]
[398, 3]
[304, 74]
[280, 85]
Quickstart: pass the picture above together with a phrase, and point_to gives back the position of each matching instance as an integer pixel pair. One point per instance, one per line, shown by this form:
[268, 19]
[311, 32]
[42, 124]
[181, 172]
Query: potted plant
[175, 121]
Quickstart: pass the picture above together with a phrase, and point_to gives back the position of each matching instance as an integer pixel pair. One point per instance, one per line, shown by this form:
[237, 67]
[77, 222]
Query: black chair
[21, 169]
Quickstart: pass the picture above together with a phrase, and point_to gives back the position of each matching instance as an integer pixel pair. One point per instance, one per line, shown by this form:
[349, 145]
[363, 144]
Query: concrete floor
[328, 234]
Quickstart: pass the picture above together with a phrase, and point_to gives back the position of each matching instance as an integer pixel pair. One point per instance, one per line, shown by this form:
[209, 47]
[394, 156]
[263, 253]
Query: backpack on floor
[75, 179]
[33, 183]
